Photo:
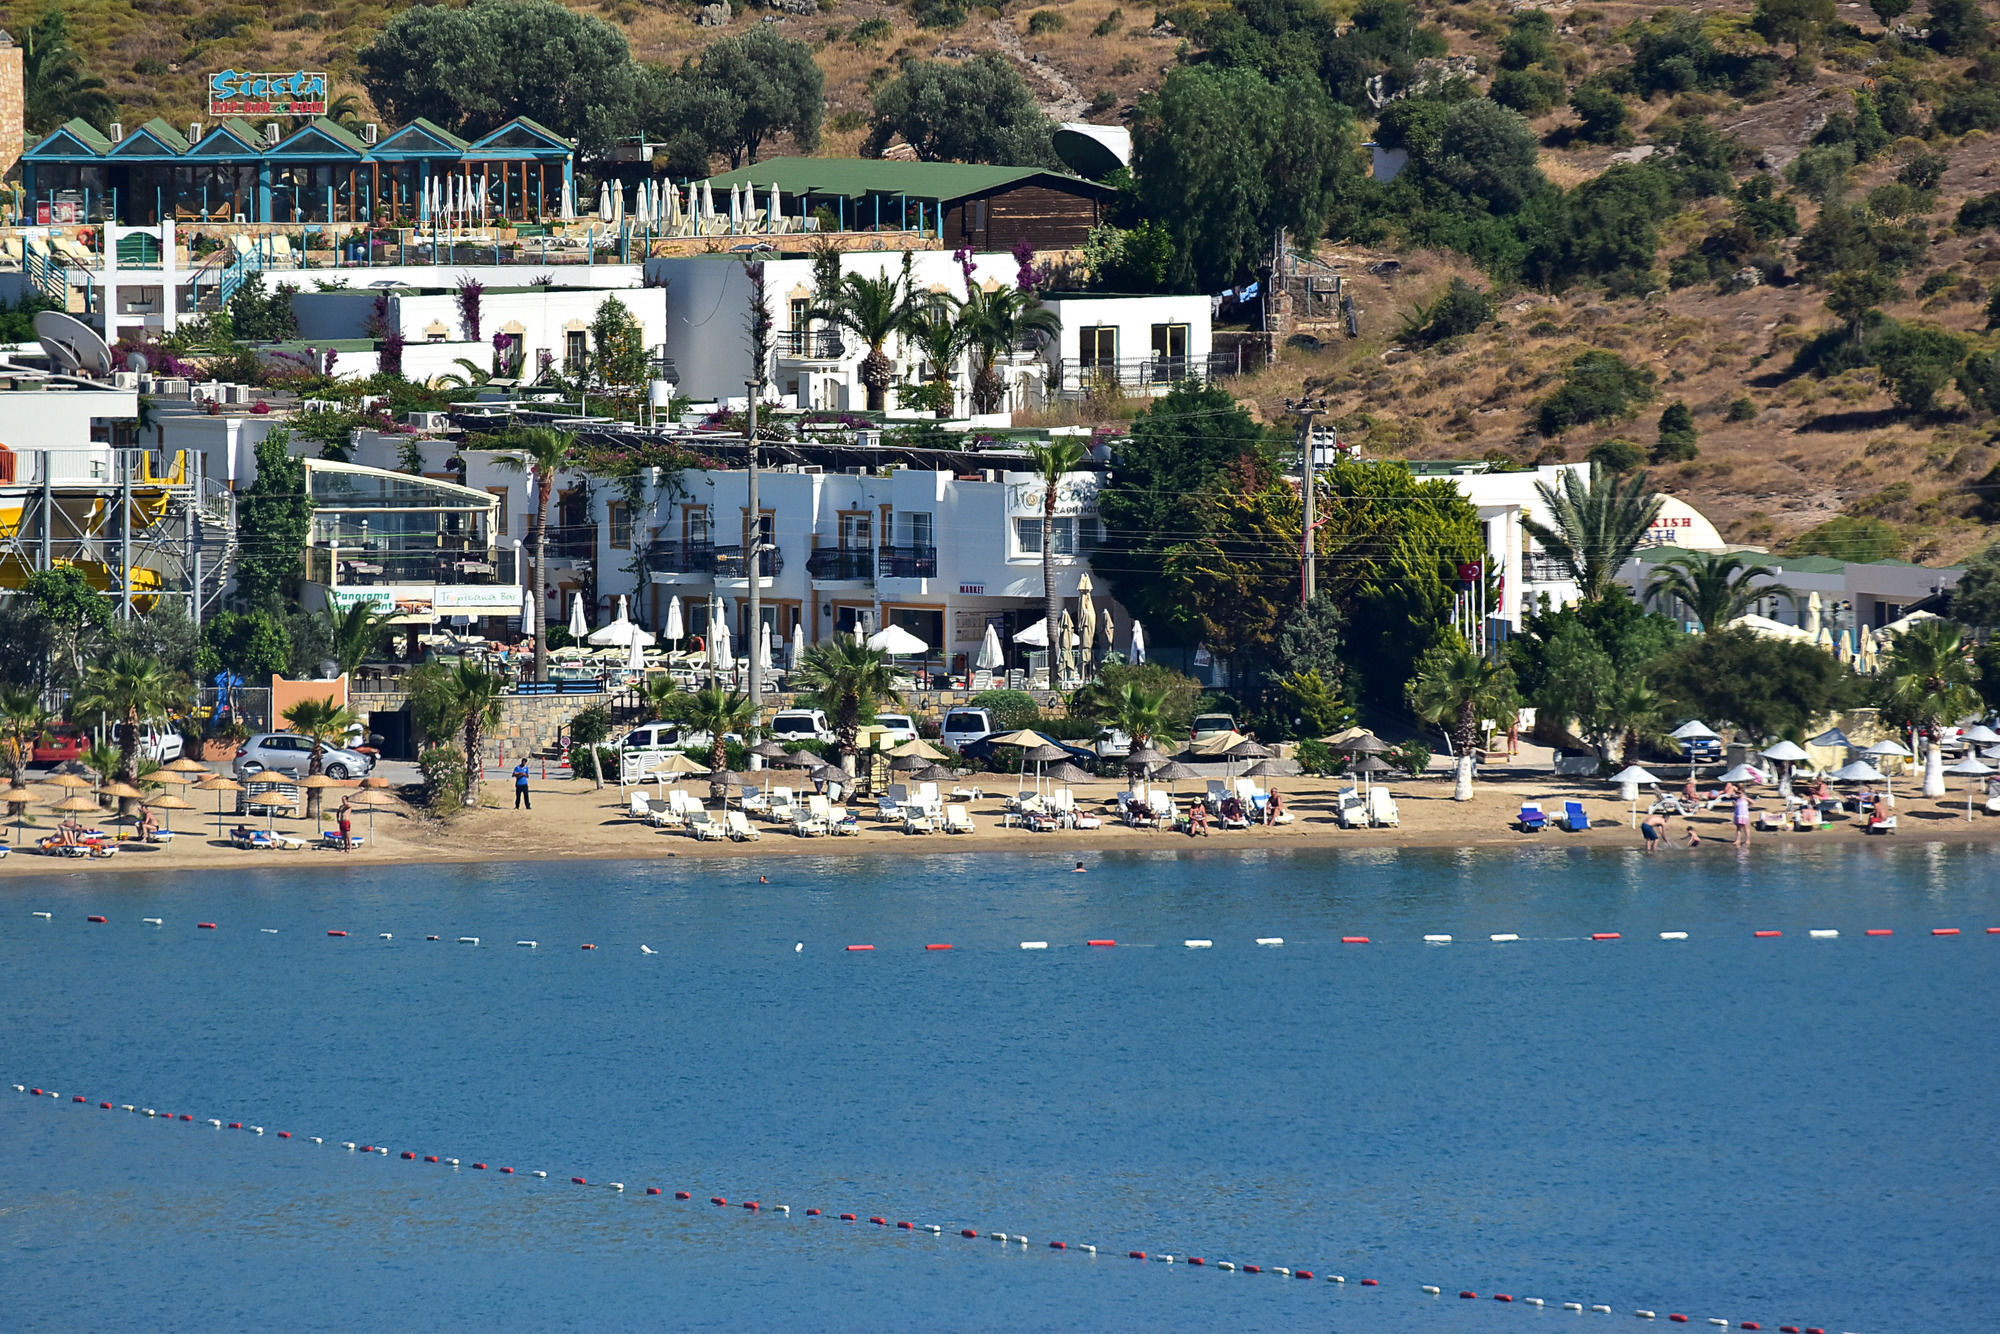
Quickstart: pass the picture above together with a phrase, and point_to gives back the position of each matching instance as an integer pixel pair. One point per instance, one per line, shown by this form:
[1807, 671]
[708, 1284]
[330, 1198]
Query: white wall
[60, 417]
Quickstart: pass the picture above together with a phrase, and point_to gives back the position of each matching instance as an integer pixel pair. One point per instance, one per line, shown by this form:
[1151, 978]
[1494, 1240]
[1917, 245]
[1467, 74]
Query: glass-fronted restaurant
[320, 173]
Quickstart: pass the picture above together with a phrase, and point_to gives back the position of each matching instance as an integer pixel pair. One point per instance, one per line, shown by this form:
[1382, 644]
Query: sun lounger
[641, 806]
[1885, 825]
[1382, 809]
[1574, 818]
[1531, 820]
[740, 828]
[1162, 806]
[783, 809]
[888, 810]
[1353, 809]
[756, 803]
[918, 820]
[965, 793]
[330, 838]
[705, 826]
[253, 839]
[1218, 791]
[958, 819]
[1770, 822]
[810, 820]
[841, 822]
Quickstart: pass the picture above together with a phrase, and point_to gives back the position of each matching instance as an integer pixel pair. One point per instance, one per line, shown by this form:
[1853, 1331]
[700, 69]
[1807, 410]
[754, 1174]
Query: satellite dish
[72, 344]
[135, 361]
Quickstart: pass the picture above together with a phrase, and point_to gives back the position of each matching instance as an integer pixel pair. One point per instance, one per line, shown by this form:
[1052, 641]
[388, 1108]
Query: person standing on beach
[521, 801]
[344, 819]
[1652, 828]
[1742, 815]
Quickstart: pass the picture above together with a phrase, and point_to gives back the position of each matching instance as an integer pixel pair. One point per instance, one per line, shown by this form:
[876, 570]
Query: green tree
[1459, 309]
[53, 80]
[355, 634]
[620, 345]
[1713, 587]
[1799, 22]
[321, 720]
[719, 711]
[1601, 114]
[1957, 27]
[1180, 695]
[873, 310]
[273, 520]
[1767, 687]
[934, 331]
[1855, 293]
[1594, 527]
[997, 325]
[1889, 10]
[1052, 461]
[130, 690]
[851, 680]
[26, 723]
[1975, 600]
[590, 728]
[1928, 682]
[1678, 439]
[70, 608]
[977, 110]
[1315, 705]
[1845, 537]
[464, 699]
[471, 69]
[1139, 259]
[1225, 158]
[1129, 708]
[1597, 387]
[253, 644]
[1454, 689]
[1917, 361]
[541, 453]
[769, 85]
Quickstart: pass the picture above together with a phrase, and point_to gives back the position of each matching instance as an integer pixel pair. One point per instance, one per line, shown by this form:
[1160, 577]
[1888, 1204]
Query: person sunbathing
[148, 824]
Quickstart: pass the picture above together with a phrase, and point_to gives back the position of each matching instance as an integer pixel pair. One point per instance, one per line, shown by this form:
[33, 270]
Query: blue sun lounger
[1574, 819]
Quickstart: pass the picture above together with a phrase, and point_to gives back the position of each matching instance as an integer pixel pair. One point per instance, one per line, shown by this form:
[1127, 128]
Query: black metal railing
[812, 344]
[841, 563]
[907, 562]
[729, 563]
[681, 558]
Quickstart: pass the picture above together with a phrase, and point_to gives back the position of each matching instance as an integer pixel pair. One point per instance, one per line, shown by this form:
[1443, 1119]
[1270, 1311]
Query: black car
[983, 751]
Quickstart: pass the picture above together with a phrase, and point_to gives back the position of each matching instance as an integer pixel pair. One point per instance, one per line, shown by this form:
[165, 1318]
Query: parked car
[289, 753]
[64, 742]
[962, 727]
[659, 738]
[897, 728]
[796, 725]
[984, 749]
[159, 742]
[1113, 744]
[1702, 750]
[1207, 725]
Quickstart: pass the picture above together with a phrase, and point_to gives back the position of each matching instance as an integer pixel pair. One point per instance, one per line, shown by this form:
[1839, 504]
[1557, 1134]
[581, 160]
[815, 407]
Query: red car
[63, 742]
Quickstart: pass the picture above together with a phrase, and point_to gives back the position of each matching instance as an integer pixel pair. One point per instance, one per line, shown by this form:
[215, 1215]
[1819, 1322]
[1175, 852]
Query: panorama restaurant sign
[298, 93]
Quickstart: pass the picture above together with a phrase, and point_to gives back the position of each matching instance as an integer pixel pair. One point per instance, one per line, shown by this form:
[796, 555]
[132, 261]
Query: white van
[659, 738]
[159, 742]
[962, 727]
[796, 725]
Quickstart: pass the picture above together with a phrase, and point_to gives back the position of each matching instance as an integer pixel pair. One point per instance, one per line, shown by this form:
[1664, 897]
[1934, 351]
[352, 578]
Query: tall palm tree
[1929, 680]
[542, 453]
[1714, 586]
[27, 725]
[355, 633]
[1053, 461]
[1454, 689]
[322, 720]
[998, 323]
[469, 697]
[850, 679]
[53, 78]
[1128, 707]
[1597, 526]
[130, 688]
[719, 711]
[938, 333]
[873, 310]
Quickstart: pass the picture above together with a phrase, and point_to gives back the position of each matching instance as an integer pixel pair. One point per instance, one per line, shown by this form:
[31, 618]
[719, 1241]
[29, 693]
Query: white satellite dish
[135, 361]
[72, 344]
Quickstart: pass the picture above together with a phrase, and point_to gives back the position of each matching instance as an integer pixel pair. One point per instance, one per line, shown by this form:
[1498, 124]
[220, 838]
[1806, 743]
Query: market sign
[298, 93]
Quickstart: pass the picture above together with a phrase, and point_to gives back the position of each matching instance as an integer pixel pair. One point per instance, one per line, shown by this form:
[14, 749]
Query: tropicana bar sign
[298, 93]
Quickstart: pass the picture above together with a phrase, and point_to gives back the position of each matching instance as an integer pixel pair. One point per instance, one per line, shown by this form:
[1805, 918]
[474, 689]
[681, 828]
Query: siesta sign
[299, 93]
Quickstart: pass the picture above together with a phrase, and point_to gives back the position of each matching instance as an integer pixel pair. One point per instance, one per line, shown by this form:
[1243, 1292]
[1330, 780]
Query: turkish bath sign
[295, 94]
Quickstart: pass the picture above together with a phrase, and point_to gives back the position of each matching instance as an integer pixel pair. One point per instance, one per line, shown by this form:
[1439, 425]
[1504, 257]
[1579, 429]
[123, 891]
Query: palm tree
[475, 376]
[1638, 713]
[131, 687]
[354, 634]
[469, 703]
[1053, 461]
[543, 453]
[720, 711]
[322, 720]
[659, 695]
[873, 310]
[1454, 689]
[850, 679]
[1129, 707]
[1930, 683]
[53, 78]
[998, 323]
[1598, 524]
[935, 329]
[27, 724]
[1714, 587]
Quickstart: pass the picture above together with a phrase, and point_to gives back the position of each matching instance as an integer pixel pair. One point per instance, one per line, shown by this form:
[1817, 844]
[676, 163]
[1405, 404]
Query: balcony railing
[835, 563]
[812, 344]
[705, 558]
[907, 562]
[343, 566]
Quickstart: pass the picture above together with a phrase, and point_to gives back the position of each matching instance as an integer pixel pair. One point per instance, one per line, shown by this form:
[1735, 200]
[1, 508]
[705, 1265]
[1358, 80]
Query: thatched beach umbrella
[18, 796]
[372, 800]
[314, 784]
[169, 801]
[219, 785]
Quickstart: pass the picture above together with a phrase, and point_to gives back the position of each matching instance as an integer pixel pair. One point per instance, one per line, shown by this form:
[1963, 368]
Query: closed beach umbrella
[675, 630]
[635, 659]
[1065, 641]
[1138, 643]
[724, 656]
[578, 629]
[1814, 606]
[1086, 620]
[798, 644]
[764, 647]
[991, 654]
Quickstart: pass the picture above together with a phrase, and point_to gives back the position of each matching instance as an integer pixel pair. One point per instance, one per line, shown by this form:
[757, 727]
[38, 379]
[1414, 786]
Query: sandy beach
[572, 819]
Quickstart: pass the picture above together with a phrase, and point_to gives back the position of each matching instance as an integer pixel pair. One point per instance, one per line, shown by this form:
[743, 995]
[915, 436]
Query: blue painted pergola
[320, 173]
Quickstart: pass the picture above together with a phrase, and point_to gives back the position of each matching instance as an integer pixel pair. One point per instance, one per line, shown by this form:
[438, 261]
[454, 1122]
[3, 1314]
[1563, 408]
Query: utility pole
[753, 558]
[1308, 409]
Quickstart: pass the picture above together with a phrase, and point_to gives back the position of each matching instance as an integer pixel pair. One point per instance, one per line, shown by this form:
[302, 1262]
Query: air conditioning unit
[370, 133]
[117, 129]
[272, 134]
[319, 405]
[812, 470]
[868, 439]
[194, 132]
[427, 421]
[857, 471]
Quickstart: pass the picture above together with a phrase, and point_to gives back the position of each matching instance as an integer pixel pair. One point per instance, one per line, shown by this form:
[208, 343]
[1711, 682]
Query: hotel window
[1097, 345]
[618, 517]
[575, 350]
[917, 530]
[694, 525]
[1028, 533]
[499, 493]
[857, 532]
[1170, 347]
[801, 318]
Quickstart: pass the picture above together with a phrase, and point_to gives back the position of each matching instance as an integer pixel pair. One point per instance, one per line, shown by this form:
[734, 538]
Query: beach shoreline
[572, 820]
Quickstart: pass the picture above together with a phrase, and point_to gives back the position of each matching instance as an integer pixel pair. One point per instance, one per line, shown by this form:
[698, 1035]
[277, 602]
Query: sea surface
[1787, 1130]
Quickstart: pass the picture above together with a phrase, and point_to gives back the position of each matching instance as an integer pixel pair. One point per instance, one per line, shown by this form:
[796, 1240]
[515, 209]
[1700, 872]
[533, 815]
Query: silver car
[289, 753]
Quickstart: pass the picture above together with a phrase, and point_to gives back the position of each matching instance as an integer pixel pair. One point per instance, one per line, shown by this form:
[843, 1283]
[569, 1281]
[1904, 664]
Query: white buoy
[1824, 935]
[217, 1124]
[1531, 1301]
[1281, 1270]
[1504, 937]
[1673, 935]
[317, 1140]
[935, 1230]
[799, 948]
[127, 1107]
[1225, 1265]
[543, 1175]
[1572, 1306]
[1199, 944]
[1336, 1278]
[1088, 1250]
[1433, 1289]
[614, 1185]
[151, 1112]
[268, 930]
[1437, 940]
[1601, 1310]
[1034, 944]
[46, 916]
[647, 949]
[468, 940]
[1270, 940]
[528, 944]
[347, 1144]
[257, 1129]
[1718, 1320]
[387, 936]
[1644, 1314]
[452, 1161]
[1164, 1259]
[152, 921]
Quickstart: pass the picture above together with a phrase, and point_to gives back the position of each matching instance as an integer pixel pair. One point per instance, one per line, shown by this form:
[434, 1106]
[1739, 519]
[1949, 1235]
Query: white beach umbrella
[764, 646]
[772, 214]
[1896, 748]
[735, 208]
[1981, 734]
[676, 630]
[1743, 773]
[708, 201]
[991, 655]
[569, 201]
[1034, 636]
[724, 655]
[577, 627]
[604, 202]
[641, 214]
[1788, 751]
[1629, 779]
[1971, 767]
[1814, 607]
[1690, 729]
[624, 608]
[527, 610]
[1086, 620]
[798, 643]
[1138, 643]
[897, 642]
[1861, 771]
[635, 658]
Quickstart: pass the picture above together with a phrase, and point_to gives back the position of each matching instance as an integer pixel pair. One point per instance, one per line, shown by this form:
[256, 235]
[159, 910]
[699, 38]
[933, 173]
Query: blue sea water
[1782, 1130]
